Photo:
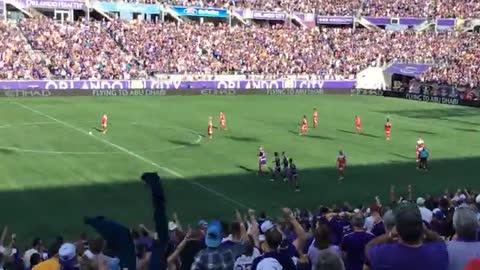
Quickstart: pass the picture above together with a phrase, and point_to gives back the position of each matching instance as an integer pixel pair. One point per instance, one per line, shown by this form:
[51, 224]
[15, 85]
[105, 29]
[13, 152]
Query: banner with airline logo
[201, 12]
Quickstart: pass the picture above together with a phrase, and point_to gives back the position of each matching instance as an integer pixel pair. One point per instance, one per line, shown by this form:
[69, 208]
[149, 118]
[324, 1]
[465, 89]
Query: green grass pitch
[53, 172]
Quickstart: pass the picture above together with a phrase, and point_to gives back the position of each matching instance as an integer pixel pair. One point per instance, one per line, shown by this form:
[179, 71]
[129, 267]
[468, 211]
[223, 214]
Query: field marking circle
[51, 152]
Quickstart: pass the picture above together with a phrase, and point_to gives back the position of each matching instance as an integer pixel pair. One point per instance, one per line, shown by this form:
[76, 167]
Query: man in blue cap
[216, 256]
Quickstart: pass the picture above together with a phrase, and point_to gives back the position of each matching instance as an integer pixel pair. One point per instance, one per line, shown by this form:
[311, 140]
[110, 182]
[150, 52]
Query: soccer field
[53, 172]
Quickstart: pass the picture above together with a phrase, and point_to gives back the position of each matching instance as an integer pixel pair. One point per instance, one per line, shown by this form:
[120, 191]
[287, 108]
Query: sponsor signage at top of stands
[336, 20]
[446, 22]
[175, 85]
[55, 4]
[201, 12]
[411, 70]
[269, 15]
[118, 7]
[401, 20]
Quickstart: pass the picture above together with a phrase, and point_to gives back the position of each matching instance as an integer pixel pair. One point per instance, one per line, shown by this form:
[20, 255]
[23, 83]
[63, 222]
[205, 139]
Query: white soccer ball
[90, 133]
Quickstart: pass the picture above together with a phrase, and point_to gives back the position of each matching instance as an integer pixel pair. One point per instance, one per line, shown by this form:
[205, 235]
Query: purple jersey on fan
[262, 157]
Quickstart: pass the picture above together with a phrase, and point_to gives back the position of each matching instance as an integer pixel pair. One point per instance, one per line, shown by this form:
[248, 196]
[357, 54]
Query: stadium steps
[424, 26]
[237, 16]
[365, 23]
[97, 8]
[295, 18]
[19, 6]
[172, 13]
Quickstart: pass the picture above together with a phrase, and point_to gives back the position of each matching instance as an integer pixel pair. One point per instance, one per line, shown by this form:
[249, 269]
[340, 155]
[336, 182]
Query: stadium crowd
[430, 232]
[393, 8]
[119, 50]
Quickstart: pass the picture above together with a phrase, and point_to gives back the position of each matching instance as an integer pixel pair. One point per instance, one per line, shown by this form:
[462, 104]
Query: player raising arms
[420, 144]
[304, 127]
[341, 164]
[104, 123]
[262, 160]
[276, 167]
[315, 118]
[294, 175]
[210, 128]
[223, 121]
[388, 129]
[358, 124]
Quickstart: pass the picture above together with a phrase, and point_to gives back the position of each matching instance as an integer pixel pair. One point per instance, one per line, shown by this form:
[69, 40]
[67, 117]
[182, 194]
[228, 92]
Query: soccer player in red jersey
[304, 128]
[341, 164]
[104, 123]
[210, 128]
[420, 144]
[223, 121]
[315, 118]
[358, 124]
[388, 129]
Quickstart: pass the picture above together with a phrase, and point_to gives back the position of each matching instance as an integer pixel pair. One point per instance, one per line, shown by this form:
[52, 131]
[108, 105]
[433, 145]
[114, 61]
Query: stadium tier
[122, 50]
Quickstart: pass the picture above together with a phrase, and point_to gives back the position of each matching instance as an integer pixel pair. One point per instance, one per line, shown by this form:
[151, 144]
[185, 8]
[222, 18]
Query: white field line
[137, 156]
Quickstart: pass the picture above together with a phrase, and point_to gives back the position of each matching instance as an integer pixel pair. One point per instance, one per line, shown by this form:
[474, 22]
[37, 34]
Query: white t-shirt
[426, 214]
[26, 257]
[245, 262]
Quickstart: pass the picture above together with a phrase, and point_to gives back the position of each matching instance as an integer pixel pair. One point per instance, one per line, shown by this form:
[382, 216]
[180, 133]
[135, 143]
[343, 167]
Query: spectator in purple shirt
[465, 245]
[353, 244]
[321, 244]
[410, 250]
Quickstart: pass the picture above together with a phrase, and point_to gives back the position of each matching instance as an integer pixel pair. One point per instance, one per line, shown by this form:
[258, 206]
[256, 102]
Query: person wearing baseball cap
[216, 256]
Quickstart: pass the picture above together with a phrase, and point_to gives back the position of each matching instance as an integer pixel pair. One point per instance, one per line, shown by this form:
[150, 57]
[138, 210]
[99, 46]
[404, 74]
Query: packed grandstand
[436, 232]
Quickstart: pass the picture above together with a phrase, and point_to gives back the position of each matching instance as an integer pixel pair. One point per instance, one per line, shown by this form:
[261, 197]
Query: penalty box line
[137, 156]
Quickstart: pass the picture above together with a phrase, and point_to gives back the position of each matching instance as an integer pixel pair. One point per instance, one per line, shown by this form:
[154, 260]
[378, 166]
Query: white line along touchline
[123, 149]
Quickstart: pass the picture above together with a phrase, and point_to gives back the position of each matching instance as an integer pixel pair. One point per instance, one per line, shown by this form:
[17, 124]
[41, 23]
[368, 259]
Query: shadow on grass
[6, 151]
[183, 143]
[50, 211]
[96, 129]
[420, 132]
[313, 136]
[466, 129]
[403, 156]
[361, 134]
[243, 139]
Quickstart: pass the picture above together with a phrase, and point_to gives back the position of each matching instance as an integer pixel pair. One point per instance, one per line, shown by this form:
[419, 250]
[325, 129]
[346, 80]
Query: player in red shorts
[304, 128]
[223, 121]
[358, 124]
[104, 123]
[315, 118]
[210, 128]
[388, 129]
[420, 144]
[341, 164]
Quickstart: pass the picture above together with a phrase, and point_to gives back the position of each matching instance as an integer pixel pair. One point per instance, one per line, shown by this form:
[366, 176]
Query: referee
[423, 159]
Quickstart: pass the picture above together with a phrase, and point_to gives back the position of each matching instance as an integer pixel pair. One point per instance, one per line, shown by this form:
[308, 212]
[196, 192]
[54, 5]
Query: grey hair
[327, 260]
[389, 220]
[358, 220]
[465, 223]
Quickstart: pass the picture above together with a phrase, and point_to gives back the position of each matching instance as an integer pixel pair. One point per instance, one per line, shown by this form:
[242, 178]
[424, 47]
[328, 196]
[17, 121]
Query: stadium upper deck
[120, 50]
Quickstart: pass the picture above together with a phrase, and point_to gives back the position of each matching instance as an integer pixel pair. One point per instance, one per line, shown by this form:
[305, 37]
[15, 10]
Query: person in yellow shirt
[52, 263]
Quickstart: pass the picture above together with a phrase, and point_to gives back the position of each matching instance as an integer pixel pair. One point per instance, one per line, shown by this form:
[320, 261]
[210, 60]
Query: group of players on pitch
[287, 169]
